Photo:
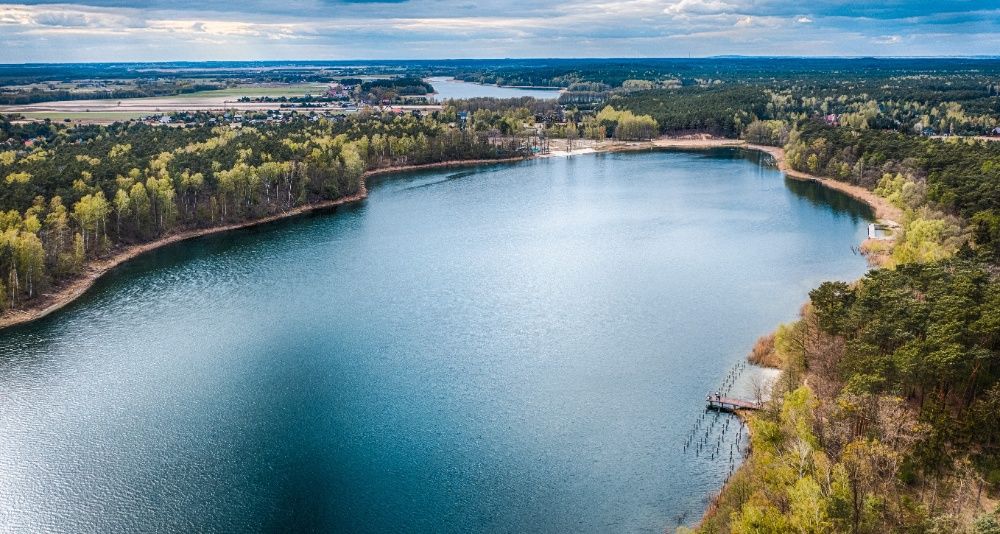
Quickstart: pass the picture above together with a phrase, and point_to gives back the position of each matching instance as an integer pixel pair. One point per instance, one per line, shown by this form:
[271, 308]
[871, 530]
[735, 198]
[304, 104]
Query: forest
[693, 71]
[81, 192]
[932, 81]
[884, 419]
[966, 106]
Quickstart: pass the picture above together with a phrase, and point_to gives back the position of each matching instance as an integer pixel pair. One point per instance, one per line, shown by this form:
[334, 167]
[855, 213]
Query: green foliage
[85, 190]
[987, 524]
[955, 176]
[986, 232]
[909, 360]
[928, 332]
[809, 507]
[891, 188]
[626, 126]
[926, 239]
[831, 301]
[769, 132]
[721, 111]
[390, 88]
[797, 414]
[765, 519]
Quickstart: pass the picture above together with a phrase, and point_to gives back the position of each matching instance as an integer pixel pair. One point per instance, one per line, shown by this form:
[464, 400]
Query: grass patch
[85, 115]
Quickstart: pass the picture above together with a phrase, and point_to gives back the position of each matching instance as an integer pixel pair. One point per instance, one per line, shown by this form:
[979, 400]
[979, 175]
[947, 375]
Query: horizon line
[525, 58]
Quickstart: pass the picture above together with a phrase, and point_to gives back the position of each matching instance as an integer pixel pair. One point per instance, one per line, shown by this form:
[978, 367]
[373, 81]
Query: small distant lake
[451, 88]
[508, 348]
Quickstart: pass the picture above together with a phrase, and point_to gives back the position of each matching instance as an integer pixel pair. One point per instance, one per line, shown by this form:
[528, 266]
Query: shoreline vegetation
[883, 209]
[864, 394]
[810, 401]
[805, 403]
[68, 292]
[76, 197]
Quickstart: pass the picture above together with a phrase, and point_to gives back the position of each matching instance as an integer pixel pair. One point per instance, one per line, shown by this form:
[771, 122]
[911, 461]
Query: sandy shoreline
[70, 291]
[66, 293]
[883, 209]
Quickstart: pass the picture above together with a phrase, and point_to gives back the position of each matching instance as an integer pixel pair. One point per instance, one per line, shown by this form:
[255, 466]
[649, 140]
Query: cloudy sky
[144, 30]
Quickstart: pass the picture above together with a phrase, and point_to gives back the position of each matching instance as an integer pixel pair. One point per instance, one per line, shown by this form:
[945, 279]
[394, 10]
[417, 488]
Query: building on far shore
[337, 90]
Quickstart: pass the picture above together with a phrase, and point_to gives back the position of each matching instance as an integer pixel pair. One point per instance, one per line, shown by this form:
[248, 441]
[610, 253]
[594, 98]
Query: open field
[104, 109]
[97, 116]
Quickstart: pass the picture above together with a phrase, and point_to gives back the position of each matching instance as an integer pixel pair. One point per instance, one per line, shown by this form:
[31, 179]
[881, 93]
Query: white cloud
[263, 29]
[887, 39]
[699, 7]
[69, 18]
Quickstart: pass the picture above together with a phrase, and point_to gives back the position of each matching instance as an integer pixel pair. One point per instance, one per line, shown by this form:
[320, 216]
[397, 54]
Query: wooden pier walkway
[729, 404]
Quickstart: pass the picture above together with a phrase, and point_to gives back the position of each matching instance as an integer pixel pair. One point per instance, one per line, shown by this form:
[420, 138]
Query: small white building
[882, 230]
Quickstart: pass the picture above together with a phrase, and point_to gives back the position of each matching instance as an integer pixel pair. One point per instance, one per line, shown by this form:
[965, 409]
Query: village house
[336, 90]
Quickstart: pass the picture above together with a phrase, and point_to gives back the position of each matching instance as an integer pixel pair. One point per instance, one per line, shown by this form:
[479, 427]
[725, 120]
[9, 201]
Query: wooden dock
[729, 404]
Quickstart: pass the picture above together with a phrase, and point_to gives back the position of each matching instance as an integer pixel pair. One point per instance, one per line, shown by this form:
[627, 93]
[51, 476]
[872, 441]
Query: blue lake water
[504, 349]
[447, 88]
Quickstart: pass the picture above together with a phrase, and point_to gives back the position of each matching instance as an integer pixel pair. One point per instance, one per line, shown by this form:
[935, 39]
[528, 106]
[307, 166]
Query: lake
[451, 88]
[507, 348]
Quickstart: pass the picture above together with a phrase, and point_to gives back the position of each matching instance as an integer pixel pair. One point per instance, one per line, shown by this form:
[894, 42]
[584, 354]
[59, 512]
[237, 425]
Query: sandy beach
[884, 211]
